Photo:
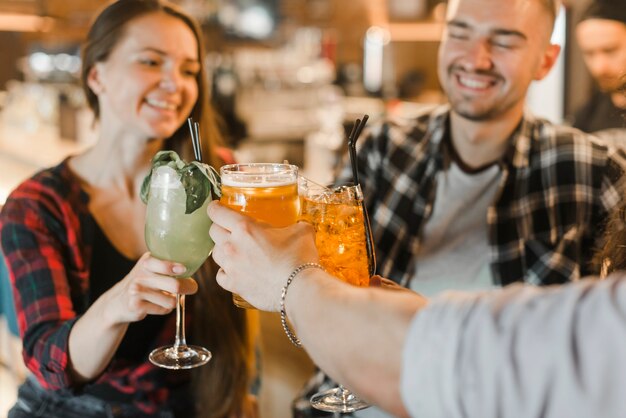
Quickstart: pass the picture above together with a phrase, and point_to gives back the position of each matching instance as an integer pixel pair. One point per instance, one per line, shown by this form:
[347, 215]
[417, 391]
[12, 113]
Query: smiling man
[480, 193]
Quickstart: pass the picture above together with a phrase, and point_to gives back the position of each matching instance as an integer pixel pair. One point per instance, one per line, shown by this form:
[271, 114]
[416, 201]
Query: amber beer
[340, 234]
[276, 205]
[265, 191]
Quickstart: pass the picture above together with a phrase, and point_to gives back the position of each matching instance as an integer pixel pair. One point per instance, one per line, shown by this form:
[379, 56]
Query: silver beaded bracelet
[283, 314]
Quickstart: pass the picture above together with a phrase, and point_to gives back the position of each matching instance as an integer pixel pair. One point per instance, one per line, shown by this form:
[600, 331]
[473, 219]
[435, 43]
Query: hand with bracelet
[257, 261]
[395, 351]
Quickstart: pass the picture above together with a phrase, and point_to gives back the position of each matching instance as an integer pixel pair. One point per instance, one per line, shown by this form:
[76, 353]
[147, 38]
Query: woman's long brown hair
[612, 256]
[221, 386]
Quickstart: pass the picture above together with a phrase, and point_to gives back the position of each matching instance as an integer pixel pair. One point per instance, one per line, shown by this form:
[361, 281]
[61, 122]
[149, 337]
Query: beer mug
[267, 192]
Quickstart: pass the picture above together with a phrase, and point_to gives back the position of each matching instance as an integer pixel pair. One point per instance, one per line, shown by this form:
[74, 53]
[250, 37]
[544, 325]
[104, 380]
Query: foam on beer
[258, 180]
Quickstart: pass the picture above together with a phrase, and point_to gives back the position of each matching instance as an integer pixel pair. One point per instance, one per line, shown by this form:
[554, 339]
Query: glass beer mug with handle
[177, 229]
[343, 240]
[267, 192]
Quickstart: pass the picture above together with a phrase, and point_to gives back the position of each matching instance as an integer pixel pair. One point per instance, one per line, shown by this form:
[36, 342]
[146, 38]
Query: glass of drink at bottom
[343, 240]
[267, 192]
[184, 238]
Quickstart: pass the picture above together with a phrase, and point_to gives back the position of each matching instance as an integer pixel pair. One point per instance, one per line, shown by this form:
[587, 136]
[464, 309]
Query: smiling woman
[75, 233]
[142, 48]
[149, 80]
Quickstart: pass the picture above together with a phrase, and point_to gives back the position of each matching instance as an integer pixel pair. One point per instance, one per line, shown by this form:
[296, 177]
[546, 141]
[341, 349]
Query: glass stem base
[180, 357]
[338, 399]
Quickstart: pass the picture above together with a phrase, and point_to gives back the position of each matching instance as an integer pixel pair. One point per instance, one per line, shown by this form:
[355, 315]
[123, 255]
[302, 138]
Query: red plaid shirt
[47, 234]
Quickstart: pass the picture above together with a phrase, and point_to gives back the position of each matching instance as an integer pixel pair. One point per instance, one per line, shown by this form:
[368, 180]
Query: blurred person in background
[91, 301]
[601, 35]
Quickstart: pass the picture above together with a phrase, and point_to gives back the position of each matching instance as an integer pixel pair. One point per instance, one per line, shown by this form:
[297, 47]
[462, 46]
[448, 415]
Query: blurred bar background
[288, 76]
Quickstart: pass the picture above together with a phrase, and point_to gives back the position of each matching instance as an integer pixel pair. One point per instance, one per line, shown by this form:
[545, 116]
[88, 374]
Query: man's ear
[94, 79]
[550, 55]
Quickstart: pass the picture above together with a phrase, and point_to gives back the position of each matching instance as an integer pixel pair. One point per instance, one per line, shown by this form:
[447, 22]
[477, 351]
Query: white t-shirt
[454, 252]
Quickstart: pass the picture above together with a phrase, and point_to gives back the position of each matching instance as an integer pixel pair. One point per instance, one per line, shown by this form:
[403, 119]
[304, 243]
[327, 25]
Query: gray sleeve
[520, 352]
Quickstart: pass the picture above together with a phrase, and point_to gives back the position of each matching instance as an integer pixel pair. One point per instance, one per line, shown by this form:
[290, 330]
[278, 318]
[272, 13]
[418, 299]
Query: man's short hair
[553, 7]
[606, 10]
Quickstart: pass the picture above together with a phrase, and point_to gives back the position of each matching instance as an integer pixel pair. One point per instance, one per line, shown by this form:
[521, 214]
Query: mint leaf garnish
[199, 180]
[212, 176]
[196, 187]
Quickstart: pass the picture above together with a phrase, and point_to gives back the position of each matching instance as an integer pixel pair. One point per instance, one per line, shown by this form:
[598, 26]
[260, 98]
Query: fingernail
[178, 269]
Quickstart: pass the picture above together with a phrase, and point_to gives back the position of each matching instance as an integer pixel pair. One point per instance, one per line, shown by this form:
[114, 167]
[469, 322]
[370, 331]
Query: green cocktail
[171, 234]
[177, 229]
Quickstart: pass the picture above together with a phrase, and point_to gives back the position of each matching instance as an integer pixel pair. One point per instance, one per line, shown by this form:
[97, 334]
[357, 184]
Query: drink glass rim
[345, 193]
[235, 168]
[259, 175]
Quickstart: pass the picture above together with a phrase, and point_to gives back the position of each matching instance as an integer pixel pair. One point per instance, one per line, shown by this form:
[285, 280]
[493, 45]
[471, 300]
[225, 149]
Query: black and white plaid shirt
[556, 188]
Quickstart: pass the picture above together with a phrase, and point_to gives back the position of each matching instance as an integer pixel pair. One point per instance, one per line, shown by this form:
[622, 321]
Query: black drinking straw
[196, 127]
[357, 128]
[352, 151]
[352, 138]
[357, 134]
[195, 138]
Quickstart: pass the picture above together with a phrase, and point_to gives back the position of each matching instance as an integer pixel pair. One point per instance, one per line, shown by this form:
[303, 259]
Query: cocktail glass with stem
[343, 240]
[172, 234]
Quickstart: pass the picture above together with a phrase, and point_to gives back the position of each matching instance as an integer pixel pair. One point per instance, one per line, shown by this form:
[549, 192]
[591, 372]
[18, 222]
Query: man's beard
[613, 86]
[493, 111]
[475, 116]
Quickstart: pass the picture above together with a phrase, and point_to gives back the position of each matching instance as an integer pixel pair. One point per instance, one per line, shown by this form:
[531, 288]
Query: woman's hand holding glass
[177, 229]
[149, 289]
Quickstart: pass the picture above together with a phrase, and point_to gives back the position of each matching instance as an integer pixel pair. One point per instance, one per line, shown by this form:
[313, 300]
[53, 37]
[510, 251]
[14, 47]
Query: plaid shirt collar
[517, 154]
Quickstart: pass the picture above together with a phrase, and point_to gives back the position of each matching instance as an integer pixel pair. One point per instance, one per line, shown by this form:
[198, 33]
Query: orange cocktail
[265, 191]
[341, 237]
